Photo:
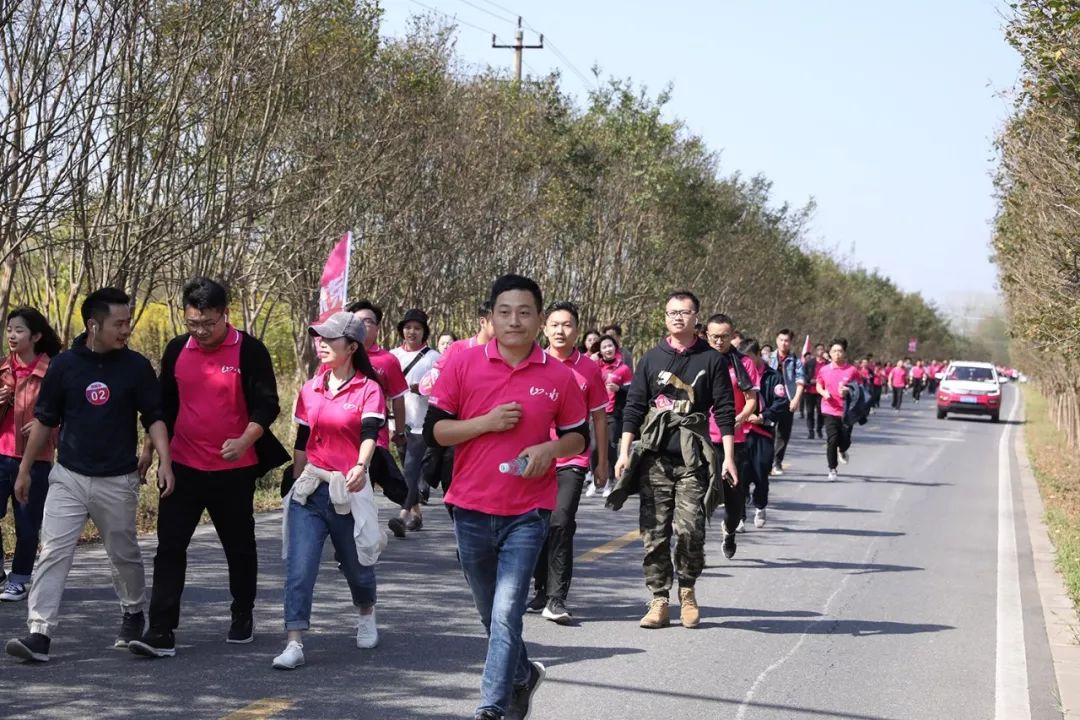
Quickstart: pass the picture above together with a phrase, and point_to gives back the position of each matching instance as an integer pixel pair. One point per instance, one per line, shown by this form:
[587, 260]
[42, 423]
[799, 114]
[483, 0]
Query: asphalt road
[875, 597]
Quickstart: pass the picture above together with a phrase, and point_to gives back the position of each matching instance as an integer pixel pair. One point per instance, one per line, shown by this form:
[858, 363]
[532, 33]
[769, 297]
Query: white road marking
[1011, 697]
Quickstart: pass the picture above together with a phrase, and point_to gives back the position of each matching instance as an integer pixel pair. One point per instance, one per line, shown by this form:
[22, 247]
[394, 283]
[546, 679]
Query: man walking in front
[676, 385]
[793, 376]
[498, 403]
[220, 398]
[95, 393]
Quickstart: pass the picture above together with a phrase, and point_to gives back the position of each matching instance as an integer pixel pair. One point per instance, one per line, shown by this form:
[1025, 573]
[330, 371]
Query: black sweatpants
[814, 418]
[783, 436]
[555, 565]
[759, 459]
[916, 389]
[897, 397]
[838, 438]
[228, 495]
[734, 497]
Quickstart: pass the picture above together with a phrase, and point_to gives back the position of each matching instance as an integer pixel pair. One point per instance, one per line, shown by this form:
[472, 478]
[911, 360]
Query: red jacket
[22, 404]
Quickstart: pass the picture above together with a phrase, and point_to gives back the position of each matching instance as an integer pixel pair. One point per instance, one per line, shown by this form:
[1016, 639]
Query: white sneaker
[742, 526]
[591, 492]
[13, 592]
[759, 518]
[367, 634]
[608, 488]
[832, 476]
[291, 658]
[843, 458]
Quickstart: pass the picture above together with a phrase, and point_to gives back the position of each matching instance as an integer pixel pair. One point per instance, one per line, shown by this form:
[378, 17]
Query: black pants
[897, 397]
[783, 435]
[555, 566]
[916, 389]
[735, 497]
[838, 437]
[228, 495]
[614, 433]
[759, 459]
[875, 396]
[814, 418]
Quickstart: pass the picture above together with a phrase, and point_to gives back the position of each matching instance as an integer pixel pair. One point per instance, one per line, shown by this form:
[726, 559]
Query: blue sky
[885, 113]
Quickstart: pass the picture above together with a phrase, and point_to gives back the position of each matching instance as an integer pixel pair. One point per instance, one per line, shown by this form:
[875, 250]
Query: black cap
[415, 315]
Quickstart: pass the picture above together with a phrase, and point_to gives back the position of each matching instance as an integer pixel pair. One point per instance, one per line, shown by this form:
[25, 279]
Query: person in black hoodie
[220, 398]
[94, 392]
[678, 382]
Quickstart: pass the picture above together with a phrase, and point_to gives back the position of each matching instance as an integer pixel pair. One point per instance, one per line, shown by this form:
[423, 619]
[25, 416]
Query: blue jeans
[27, 517]
[308, 527]
[498, 554]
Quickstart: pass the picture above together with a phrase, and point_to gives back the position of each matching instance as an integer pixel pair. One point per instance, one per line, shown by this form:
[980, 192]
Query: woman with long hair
[339, 413]
[32, 343]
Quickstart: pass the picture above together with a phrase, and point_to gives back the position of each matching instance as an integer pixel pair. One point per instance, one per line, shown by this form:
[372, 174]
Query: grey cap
[340, 325]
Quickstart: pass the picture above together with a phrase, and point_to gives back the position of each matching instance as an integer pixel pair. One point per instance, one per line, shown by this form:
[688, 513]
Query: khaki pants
[110, 502]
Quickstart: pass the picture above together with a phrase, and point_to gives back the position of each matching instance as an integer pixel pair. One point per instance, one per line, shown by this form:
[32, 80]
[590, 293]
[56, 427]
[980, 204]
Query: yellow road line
[260, 709]
[609, 547]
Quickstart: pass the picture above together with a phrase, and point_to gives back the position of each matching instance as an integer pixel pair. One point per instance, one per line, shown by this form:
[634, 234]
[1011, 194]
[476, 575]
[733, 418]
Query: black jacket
[95, 398]
[260, 395]
[773, 407]
[664, 371]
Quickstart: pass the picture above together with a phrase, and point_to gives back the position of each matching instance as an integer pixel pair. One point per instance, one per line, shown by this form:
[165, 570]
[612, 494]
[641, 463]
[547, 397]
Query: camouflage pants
[671, 501]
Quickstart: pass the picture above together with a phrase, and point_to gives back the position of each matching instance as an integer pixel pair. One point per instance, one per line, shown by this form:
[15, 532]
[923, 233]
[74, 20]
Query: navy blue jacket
[857, 404]
[95, 399]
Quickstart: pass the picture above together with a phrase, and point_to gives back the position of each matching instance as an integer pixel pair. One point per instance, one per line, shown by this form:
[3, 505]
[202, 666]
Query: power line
[502, 7]
[485, 10]
[454, 18]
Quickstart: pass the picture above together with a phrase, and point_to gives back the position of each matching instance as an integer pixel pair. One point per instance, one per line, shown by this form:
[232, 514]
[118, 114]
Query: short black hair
[786, 332]
[767, 345]
[484, 309]
[202, 293]
[684, 295]
[841, 341]
[99, 303]
[613, 327]
[612, 338]
[510, 282]
[750, 346]
[720, 319]
[359, 305]
[564, 306]
[819, 345]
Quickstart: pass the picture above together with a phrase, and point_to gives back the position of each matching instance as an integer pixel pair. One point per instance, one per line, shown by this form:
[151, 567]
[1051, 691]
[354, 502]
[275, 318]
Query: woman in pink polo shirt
[339, 413]
[898, 380]
[32, 343]
[832, 385]
[617, 377]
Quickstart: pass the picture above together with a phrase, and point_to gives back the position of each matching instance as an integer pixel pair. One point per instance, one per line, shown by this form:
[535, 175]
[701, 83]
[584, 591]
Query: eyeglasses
[369, 321]
[718, 338]
[679, 313]
[203, 325]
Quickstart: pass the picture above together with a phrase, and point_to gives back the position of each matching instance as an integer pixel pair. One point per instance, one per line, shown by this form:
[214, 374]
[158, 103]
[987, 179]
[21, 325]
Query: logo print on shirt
[226, 369]
[97, 393]
[351, 406]
[534, 391]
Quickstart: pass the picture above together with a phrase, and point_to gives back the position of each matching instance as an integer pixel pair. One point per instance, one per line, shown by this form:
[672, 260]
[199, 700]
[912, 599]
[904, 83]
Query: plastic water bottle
[514, 467]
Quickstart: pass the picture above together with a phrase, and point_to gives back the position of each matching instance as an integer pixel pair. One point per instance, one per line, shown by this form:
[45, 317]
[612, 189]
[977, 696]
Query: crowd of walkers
[512, 432]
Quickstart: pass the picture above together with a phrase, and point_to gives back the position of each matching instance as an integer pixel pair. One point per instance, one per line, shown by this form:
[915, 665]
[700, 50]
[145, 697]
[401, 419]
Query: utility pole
[517, 47]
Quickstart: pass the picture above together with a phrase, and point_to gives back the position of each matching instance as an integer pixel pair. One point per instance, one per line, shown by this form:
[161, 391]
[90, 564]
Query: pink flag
[913, 345]
[805, 346]
[334, 285]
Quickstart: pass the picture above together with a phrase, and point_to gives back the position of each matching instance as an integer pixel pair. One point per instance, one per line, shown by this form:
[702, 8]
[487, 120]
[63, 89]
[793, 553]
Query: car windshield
[967, 373]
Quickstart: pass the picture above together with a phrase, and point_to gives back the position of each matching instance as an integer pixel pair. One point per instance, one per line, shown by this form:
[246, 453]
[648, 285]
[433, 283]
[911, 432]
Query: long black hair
[362, 364]
[49, 343]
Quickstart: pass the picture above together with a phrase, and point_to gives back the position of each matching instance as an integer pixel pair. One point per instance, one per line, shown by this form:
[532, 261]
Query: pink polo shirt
[898, 377]
[212, 406]
[335, 418]
[428, 381]
[388, 369]
[615, 373]
[477, 380]
[833, 377]
[588, 377]
[8, 444]
[740, 400]
[918, 373]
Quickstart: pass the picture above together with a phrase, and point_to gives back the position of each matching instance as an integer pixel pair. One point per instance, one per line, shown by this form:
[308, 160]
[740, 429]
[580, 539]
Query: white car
[969, 388]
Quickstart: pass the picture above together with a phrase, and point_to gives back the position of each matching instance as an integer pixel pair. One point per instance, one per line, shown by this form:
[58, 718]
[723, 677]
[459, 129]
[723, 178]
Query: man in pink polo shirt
[555, 567]
[384, 471]
[832, 385]
[496, 404]
[220, 398]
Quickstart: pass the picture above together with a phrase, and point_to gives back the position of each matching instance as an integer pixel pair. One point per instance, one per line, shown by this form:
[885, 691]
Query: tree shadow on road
[789, 506]
[856, 568]
[854, 628]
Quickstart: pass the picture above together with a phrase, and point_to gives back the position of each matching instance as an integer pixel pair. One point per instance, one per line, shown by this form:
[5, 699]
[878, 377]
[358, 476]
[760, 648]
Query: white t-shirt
[415, 405]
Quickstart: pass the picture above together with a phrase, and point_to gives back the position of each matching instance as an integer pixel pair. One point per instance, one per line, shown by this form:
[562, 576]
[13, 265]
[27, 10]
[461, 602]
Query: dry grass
[1057, 469]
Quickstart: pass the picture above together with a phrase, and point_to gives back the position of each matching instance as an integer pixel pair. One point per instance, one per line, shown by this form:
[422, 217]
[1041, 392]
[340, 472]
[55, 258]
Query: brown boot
[658, 616]
[688, 608]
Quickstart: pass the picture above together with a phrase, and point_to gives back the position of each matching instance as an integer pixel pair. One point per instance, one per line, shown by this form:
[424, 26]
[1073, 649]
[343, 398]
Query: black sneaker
[34, 647]
[241, 631]
[521, 699]
[486, 715]
[415, 523]
[556, 612]
[130, 629]
[425, 494]
[154, 645]
[729, 545]
[538, 603]
[397, 526]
